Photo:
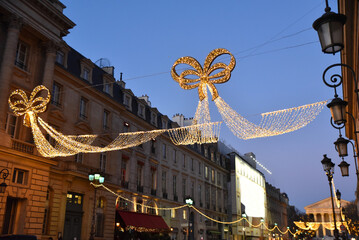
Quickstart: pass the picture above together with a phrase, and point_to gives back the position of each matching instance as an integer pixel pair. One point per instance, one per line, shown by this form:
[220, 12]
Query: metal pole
[188, 223]
[92, 233]
[330, 177]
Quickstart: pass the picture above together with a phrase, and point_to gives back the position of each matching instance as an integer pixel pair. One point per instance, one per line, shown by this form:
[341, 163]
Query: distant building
[322, 212]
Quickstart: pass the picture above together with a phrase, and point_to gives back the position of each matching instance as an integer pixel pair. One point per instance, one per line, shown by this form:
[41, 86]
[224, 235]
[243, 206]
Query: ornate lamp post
[4, 173]
[328, 167]
[189, 202]
[96, 179]
[330, 30]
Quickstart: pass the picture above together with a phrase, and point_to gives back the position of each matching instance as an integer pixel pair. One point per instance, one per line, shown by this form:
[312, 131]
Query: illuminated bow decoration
[204, 73]
[24, 105]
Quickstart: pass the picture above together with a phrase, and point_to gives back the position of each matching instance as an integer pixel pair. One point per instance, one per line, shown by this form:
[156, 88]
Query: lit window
[21, 55]
[213, 175]
[184, 213]
[206, 172]
[60, 57]
[20, 176]
[56, 94]
[173, 213]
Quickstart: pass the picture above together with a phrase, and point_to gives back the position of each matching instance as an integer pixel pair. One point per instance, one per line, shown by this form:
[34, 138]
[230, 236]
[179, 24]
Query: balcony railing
[22, 146]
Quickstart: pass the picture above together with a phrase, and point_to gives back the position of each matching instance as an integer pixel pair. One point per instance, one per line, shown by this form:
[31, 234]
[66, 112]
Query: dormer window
[86, 74]
[108, 83]
[154, 118]
[164, 124]
[127, 101]
[86, 69]
[60, 57]
[106, 120]
[141, 110]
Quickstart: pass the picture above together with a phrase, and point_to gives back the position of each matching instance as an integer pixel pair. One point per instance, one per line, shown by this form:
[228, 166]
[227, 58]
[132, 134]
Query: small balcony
[22, 146]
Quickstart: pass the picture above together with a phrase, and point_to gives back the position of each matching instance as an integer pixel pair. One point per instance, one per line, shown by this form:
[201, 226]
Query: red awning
[141, 222]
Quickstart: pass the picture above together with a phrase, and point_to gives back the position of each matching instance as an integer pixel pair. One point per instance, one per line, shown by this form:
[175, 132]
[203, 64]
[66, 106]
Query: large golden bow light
[204, 74]
[272, 123]
[21, 105]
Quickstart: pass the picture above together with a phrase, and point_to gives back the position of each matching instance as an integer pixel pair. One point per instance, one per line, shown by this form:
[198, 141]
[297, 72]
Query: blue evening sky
[279, 65]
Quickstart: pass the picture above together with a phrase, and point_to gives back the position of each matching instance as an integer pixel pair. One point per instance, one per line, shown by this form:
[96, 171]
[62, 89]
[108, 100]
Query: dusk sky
[279, 65]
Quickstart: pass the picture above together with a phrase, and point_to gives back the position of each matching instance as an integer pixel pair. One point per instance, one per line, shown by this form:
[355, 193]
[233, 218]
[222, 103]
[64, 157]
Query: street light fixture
[262, 222]
[330, 30]
[95, 178]
[244, 228]
[189, 201]
[328, 167]
[4, 173]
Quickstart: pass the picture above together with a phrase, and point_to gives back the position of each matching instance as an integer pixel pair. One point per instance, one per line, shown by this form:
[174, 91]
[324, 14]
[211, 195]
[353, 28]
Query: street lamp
[262, 222]
[330, 30]
[4, 173]
[189, 201]
[244, 228]
[95, 178]
[328, 167]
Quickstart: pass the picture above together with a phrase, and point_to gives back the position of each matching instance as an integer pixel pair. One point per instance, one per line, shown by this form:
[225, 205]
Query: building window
[173, 213]
[174, 155]
[213, 175]
[100, 218]
[192, 164]
[21, 55]
[164, 124]
[106, 120]
[218, 178]
[200, 194]
[10, 126]
[184, 160]
[103, 159]
[74, 198]
[141, 110]
[206, 172]
[154, 118]
[153, 179]
[60, 57]
[139, 174]
[212, 156]
[184, 214]
[20, 176]
[192, 189]
[79, 157]
[56, 94]
[153, 146]
[205, 152]
[164, 151]
[83, 108]
[184, 184]
[164, 182]
[174, 185]
[86, 74]
[123, 171]
[107, 87]
[127, 101]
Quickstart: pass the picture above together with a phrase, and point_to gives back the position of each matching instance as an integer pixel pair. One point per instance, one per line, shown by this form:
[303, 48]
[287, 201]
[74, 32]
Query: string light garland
[67, 145]
[272, 123]
[196, 209]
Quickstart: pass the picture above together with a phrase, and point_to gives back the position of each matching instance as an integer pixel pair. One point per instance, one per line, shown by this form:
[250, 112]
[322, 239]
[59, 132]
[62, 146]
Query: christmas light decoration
[66, 145]
[271, 124]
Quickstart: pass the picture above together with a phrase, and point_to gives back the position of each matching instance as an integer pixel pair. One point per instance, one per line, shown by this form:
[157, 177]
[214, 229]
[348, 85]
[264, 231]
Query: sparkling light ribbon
[204, 74]
[21, 105]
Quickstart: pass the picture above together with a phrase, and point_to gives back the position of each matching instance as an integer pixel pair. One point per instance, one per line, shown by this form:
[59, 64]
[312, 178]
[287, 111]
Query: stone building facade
[52, 197]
